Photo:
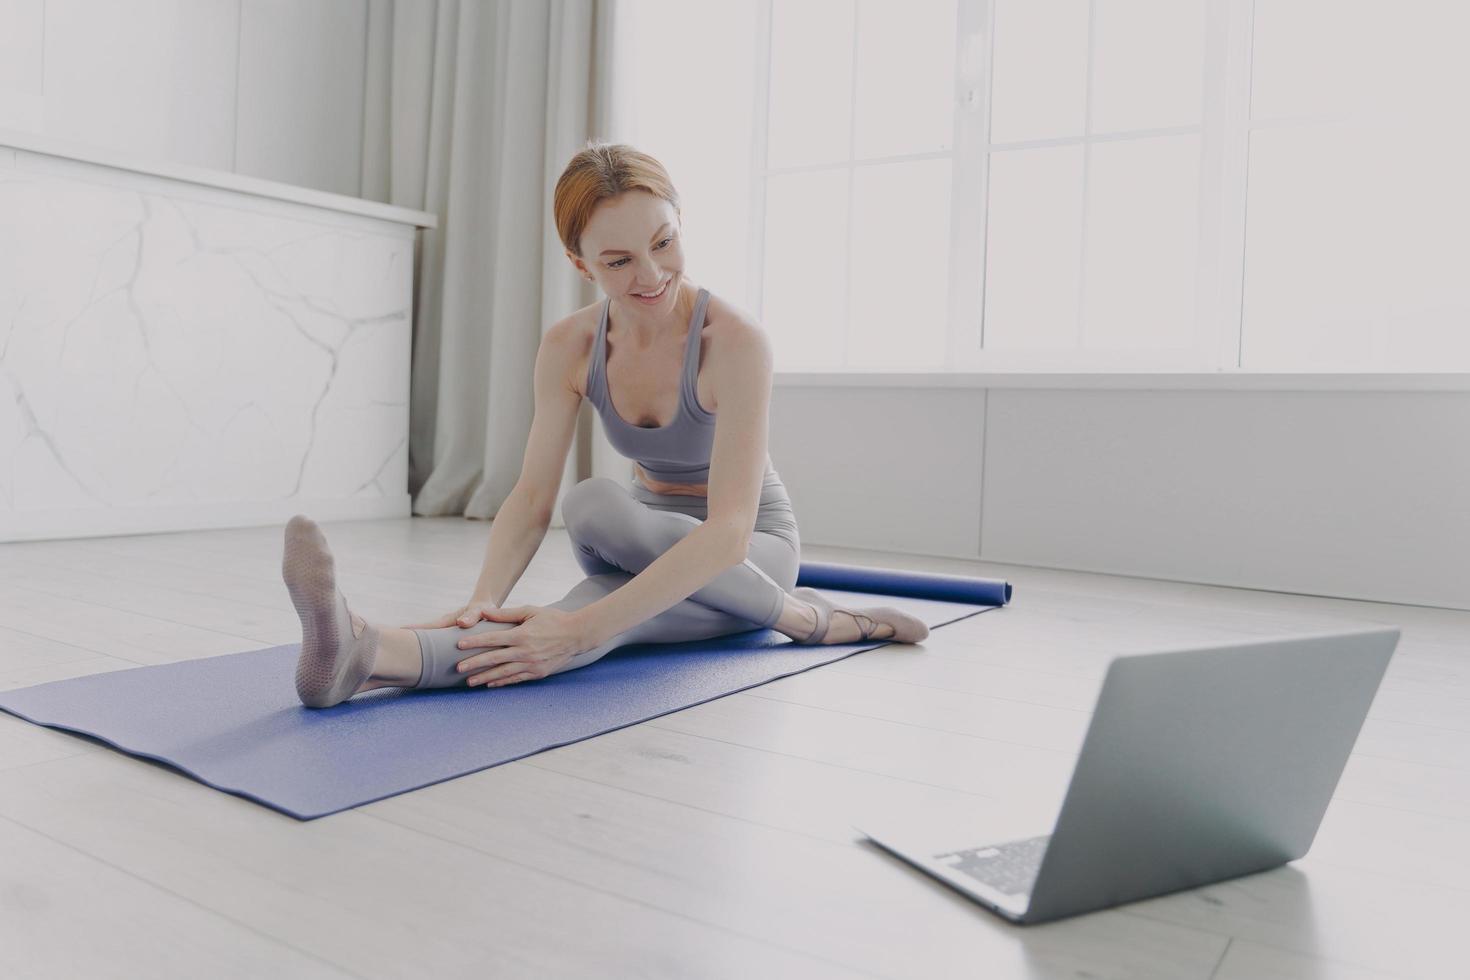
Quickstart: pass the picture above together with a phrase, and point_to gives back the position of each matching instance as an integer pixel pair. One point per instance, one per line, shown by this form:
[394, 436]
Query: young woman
[702, 542]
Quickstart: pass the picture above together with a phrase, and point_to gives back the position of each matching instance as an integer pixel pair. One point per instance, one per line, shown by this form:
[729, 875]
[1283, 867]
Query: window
[1067, 185]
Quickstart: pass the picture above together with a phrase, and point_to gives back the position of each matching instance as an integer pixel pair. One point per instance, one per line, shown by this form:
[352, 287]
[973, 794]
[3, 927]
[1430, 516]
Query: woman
[701, 543]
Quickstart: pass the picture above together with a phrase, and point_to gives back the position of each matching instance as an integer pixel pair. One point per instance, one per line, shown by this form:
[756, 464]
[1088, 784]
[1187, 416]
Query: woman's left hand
[542, 644]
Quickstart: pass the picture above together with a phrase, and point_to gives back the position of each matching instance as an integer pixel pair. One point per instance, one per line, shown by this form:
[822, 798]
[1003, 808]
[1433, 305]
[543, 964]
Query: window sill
[1147, 381]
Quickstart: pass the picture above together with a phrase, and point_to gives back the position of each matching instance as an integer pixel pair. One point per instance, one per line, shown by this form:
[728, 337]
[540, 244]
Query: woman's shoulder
[729, 321]
[570, 341]
[578, 325]
[737, 347]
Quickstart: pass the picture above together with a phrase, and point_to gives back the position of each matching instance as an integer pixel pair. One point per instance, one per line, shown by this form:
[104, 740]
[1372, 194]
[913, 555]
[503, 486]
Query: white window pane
[810, 103]
[710, 165]
[1313, 56]
[1142, 243]
[654, 63]
[1305, 268]
[1419, 69]
[1355, 250]
[905, 78]
[1358, 56]
[714, 197]
[900, 266]
[21, 40]
[1149, 64]
[1032, 251]
[1039, 71]
[805, 268]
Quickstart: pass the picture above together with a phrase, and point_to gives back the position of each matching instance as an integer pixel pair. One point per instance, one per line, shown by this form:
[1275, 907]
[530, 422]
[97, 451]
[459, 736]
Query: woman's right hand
[466, 616]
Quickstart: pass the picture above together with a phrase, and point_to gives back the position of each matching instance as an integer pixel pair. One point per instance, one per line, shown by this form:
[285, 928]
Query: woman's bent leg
[693, 620]
[611, 531]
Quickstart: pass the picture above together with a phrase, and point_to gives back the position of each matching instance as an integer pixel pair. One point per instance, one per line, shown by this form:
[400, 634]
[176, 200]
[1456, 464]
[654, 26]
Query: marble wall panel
[178, 356]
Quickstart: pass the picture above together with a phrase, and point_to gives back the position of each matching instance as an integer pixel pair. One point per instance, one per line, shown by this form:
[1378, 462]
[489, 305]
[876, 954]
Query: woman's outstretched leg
[342, 654]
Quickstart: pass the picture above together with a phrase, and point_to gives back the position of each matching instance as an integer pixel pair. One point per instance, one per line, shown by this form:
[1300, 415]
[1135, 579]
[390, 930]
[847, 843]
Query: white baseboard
[42, 525]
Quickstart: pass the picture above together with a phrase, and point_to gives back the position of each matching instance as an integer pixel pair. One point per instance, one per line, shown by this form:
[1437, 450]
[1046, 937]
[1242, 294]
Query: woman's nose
[649, 272]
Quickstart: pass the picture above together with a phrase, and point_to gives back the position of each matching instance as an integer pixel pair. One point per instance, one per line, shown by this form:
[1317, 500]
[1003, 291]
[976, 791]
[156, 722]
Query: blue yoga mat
[234, 722]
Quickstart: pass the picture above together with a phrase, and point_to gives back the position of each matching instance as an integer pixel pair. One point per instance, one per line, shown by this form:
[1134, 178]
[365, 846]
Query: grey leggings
[616, 532]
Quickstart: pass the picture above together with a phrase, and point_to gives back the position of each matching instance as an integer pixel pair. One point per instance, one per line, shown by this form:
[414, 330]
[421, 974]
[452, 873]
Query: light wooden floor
[713, 842]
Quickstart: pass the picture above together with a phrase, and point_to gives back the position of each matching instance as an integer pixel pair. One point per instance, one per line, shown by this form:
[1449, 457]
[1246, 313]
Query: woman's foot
[338, 647]
[834, 624]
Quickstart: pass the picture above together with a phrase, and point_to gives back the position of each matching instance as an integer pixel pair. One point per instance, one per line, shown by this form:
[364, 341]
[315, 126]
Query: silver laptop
[1199, 765]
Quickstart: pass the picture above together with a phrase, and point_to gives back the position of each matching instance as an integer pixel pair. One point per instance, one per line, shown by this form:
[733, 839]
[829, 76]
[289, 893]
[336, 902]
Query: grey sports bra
[675, 453]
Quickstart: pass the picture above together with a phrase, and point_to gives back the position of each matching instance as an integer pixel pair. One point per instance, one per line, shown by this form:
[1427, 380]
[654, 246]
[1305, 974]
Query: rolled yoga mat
[234, 722]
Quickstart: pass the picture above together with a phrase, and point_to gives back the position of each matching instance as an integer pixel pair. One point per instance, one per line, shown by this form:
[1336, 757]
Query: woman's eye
[620, 262]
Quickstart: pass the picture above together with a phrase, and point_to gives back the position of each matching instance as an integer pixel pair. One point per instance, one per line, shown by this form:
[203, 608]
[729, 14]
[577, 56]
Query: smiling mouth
[657, 294]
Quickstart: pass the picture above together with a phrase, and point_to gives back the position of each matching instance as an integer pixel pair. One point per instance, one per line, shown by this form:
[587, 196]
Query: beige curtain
[474, 109]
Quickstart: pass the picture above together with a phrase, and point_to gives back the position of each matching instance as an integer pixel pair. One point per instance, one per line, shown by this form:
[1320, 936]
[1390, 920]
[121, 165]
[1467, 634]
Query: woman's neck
[645, 332]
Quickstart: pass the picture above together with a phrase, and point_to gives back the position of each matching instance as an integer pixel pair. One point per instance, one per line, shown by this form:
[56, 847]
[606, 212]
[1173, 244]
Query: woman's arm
[516, 533]
[520, 524]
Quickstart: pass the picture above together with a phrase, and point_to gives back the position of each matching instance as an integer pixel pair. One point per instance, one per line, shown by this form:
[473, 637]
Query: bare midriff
[659, 486]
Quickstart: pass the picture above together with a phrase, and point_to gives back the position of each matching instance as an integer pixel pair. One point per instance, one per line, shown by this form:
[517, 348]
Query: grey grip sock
[335, 659]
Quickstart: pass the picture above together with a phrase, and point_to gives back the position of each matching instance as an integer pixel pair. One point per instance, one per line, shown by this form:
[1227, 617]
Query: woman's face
[632, 245]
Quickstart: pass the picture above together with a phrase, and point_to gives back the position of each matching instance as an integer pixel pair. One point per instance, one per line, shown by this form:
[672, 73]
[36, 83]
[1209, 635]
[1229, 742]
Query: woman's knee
[593, 501]
[591, 589]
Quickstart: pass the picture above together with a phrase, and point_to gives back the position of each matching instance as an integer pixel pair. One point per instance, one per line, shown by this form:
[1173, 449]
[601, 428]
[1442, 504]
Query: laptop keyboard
[1008, 868]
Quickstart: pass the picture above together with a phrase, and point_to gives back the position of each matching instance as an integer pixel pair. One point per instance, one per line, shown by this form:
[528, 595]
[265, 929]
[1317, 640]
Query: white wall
[1351, 493]
[267, 88]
